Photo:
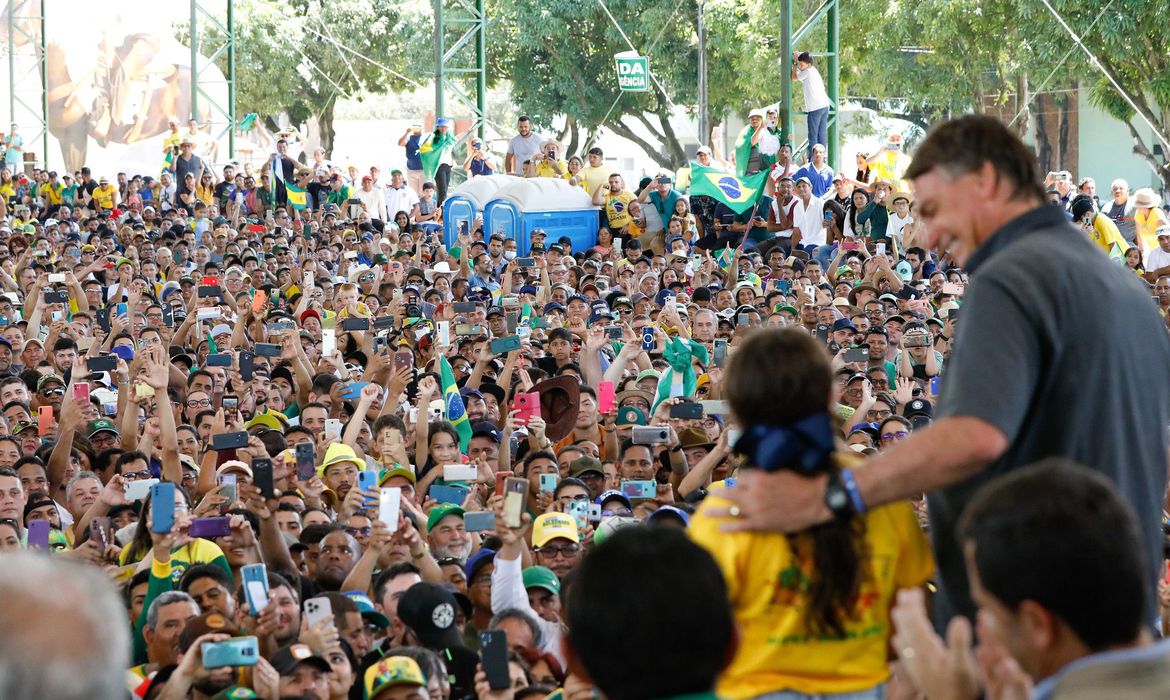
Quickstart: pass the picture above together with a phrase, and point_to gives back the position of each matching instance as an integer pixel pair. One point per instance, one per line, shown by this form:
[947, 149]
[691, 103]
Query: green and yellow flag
[737, 193]
[431, 152]
[453, 404]
[298, 198]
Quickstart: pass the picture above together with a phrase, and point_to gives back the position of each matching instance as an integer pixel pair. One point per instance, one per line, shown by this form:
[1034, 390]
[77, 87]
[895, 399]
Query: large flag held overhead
[432, 150]
[297, 198]
[737, 193]
[453, 405]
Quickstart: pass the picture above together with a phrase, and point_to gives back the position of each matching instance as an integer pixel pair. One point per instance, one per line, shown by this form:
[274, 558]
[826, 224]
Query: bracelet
[850, 485]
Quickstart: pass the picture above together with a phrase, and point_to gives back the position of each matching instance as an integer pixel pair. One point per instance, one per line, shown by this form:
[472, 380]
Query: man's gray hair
[165, 599]
[73, 483]
[518, 614]
[63, 634]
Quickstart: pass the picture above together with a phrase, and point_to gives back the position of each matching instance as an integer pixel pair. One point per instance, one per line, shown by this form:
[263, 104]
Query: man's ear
[1038, 624]
[573, 662]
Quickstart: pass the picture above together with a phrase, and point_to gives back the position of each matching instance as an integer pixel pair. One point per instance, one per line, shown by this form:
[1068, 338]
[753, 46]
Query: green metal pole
[481, 68]
[194, 60]
[231, 77]
[440, 69]
[834, 38]
[11, 63]
[785, 71]
[44, 90]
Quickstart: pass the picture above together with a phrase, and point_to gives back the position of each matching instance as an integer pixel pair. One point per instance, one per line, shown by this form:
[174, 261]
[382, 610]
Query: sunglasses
[52, 392]
[898, 435]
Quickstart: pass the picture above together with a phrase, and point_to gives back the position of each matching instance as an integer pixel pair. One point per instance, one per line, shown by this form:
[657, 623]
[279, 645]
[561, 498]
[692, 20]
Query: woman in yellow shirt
[813, 608]
[1148, 216]
[205, 191]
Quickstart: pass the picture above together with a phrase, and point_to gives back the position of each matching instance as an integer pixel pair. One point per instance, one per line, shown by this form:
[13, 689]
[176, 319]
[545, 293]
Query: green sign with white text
[633, 72]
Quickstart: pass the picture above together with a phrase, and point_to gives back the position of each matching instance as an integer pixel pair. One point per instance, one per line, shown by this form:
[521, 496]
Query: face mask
[509, 254]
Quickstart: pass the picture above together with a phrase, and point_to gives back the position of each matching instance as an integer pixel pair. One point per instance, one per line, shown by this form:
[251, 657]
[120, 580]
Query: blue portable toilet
[466, 203]
[551, 204]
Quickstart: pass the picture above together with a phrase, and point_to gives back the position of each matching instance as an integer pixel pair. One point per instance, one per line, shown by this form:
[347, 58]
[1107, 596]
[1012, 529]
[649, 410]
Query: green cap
[101, 425]
[790, 309]
[441, 511]
[541, 577]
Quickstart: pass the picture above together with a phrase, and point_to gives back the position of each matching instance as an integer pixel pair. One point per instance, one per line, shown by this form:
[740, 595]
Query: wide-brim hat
[1146, 198]
[559, 405]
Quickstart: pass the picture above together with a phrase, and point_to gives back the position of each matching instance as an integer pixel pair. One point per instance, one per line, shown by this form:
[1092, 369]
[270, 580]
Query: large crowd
[274, 438]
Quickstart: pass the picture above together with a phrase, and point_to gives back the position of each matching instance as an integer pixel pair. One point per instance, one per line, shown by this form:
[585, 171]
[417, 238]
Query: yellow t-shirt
[52, 193]
[617, 208]
[1147, 228]
[777, 651]
[595, 177]
[543, 169]
[892, 166]
[1105, 234]
[105, 195]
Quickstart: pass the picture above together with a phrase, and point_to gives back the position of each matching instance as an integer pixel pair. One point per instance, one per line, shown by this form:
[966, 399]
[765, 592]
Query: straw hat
[1146, 198]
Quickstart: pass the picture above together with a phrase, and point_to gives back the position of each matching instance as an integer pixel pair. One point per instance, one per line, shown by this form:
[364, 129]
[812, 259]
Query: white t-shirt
[896, 225]
[815, 96]
[810, 219]
[1157, 259]
[524, 148]
[401, 199]
[779, 211]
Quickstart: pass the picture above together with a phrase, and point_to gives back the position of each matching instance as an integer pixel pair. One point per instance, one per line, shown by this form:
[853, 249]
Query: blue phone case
[353, 391]
[162, 507]
[255, 587]
[367, 479]
[580, 512]
[448, 494]
[242, 651]
[38, 534]
[548, 482]
[639, 489]
[648, 338]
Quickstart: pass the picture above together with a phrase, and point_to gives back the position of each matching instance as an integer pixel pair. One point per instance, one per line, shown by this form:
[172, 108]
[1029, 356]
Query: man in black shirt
[186, 163]
[1039, 368]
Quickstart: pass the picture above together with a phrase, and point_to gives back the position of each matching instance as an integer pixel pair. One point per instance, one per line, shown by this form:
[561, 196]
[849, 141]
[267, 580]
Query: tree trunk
[574, 137]
[1141, 149]
[1023, 103]
[325, 120]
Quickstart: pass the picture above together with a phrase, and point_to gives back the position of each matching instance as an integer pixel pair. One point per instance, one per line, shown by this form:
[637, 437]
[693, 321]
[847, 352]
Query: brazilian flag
[453, 404]
[737, 193]
[298, 198]
[432, 150]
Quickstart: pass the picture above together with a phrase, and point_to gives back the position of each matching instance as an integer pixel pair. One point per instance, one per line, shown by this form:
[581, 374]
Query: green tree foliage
[287, 61]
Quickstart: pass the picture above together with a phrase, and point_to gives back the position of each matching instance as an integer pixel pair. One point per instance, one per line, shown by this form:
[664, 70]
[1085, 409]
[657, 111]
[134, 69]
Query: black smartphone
[208, 291]
[382, 323]
[221, 359]
[56, 297]
[262, 477]
[613, 332]
[103, 319]
[306, 461]
[169, 316]
[720, 352]
[229, 441]
[822, 331]
[355, 324]
[853, 355]
[102, 363]
[525, 262]
[247, 365]
[493, 648]
[688, 410]
[267, 350]
[464, 307]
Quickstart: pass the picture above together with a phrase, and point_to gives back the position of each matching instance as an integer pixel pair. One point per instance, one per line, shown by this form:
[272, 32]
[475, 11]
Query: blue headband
[804, 446]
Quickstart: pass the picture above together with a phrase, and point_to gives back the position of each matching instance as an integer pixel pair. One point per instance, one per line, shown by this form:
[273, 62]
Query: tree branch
[617, 127]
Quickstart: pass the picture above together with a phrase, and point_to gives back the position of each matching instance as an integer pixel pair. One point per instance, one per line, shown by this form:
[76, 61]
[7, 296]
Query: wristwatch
[837, 498]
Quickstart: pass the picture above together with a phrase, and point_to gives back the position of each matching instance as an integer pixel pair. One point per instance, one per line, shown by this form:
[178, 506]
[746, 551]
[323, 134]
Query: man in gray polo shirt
[1059, 353]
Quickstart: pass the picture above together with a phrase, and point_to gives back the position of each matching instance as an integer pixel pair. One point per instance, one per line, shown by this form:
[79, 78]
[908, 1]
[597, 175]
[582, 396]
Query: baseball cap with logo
[441, 511]
[390, 672]
[541, 577]
[101, 425]
[428, 610]
[206, 624]
[550, 526]
[287, 658]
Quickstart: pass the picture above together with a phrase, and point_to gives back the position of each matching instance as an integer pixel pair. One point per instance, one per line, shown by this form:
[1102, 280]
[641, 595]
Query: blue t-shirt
[413, 161]
[822, 181]
[481, 167]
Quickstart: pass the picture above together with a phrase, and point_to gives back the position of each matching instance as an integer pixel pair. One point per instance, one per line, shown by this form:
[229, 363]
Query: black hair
[199, 571]
[667, 578]
[388, 575]
[1059, 534]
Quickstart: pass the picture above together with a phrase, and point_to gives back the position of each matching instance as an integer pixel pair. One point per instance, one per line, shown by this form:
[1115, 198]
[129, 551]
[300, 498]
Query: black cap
[429, 611]
[287, 658]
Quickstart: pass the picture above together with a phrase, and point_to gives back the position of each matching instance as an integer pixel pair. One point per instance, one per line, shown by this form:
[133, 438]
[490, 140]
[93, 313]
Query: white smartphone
[351, 255]
[459, 472]
[56, 277]
[715, 408]
[328, 341]
[206, 313]
[444, 332]
[308, 276]
[389, 502]
[318, 609]
[880, 249]
[333, 427]
[138, 490]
